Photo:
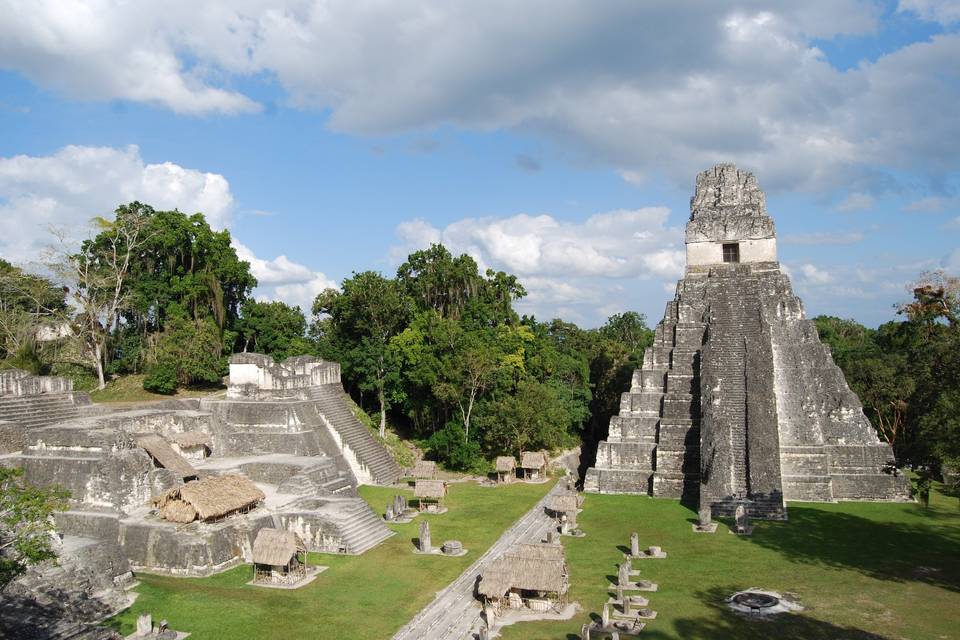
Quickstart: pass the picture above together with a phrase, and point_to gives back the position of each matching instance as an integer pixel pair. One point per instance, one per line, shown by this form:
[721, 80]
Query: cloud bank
[67, 189]
[610, 81]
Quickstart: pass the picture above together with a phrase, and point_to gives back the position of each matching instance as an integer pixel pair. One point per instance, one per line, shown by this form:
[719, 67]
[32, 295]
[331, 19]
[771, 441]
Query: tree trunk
[99, 359]
[383, 414]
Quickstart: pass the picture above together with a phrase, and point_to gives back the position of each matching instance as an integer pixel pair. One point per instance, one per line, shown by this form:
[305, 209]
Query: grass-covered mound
[864, 571]
[367, 596]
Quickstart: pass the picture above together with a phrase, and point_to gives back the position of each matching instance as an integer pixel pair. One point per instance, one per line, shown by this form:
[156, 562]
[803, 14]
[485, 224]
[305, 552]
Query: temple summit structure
[738, 402]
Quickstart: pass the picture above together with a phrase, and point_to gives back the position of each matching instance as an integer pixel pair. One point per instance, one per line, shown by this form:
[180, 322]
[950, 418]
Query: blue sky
[555, 140]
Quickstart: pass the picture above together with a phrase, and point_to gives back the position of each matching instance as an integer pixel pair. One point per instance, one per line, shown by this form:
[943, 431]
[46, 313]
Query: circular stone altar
[759, 602]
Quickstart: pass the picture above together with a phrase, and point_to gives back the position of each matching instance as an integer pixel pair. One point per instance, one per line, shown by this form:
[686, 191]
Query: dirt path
[454, 613]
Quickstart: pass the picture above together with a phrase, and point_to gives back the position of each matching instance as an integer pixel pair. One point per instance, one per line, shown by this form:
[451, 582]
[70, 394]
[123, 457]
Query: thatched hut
[506, 467]
[564, 508]
[534, 465]
[209, 499]
[425, 470]
[528, 575]
[164, 456]
[279, 557]
[430, 494]
[192, 445]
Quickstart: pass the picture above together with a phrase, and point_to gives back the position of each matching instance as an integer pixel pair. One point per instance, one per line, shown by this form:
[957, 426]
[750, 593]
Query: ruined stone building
[183, 486]
[738, 401]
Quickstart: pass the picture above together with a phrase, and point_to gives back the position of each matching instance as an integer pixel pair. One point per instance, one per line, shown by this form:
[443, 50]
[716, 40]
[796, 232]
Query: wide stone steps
[332, 405]
[363, 529]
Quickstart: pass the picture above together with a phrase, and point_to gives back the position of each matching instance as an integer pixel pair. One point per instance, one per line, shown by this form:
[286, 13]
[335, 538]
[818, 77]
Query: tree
[190, 349]
[273, 328]
[27, 303]
[365, 315]
[98, 274]
[26, 523]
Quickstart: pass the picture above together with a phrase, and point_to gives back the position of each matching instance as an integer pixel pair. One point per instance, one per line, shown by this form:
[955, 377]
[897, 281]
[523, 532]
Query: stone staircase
[20, 415]
[372, 457]
[361, 528]
[739, 433]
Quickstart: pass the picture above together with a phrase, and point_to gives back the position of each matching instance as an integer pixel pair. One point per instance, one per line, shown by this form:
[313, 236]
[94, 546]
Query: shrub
[162, 378]
[448, 447]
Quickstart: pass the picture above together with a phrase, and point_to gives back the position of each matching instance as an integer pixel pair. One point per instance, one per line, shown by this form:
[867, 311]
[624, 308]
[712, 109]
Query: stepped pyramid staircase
[369, 457]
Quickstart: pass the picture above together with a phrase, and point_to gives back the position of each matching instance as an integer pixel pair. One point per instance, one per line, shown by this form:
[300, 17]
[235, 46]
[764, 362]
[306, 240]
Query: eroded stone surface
[738, 402]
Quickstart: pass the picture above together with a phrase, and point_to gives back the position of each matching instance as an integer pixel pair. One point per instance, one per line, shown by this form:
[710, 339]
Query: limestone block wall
[19, 383]
[253, 375]
[197, 549]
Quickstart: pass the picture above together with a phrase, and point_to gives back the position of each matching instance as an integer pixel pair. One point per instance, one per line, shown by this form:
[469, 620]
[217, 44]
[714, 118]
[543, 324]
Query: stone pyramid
[738, 401]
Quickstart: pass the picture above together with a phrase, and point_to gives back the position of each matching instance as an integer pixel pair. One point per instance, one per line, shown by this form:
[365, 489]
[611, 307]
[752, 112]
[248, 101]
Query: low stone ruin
[182, 487]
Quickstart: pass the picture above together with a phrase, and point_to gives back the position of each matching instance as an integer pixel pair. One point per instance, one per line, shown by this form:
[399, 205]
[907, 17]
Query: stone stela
[738, 402]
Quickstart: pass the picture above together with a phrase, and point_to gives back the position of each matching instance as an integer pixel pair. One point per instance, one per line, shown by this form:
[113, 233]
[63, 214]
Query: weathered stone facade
[737, 400]
[286, 427]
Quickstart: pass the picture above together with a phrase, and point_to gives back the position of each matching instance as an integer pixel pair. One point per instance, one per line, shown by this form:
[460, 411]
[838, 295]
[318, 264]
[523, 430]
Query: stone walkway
[454, 613]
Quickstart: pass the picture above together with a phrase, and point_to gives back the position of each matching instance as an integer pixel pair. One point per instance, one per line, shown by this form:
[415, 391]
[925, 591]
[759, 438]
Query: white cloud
[68, 188]
[285, 280]
[814, 275]
[700, 94]
[946, 12]
[564, 264]
[856, 201]
[931, 204]
[952, 262]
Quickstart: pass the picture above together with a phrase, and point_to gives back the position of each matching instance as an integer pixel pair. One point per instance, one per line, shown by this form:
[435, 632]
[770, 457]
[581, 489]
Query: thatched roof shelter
[527, 567]
[565, 503]
[212, 497]
[430, 489]
[533, 460]
[426, 469]
[276, 547]
[165, 456]
[191, 439]
[506, 464]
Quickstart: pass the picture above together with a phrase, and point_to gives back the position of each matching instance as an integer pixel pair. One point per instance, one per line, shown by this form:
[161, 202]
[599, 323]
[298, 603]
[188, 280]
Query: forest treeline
[436, 351]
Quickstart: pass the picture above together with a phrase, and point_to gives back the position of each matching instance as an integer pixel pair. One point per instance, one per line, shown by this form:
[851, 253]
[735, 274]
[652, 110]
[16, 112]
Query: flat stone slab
[640, 585]
[312, 573]
[747, 531]
[710, 528]
[646, 555]
[437, 551]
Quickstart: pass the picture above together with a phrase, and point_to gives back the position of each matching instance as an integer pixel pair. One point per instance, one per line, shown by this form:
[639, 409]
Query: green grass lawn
[369, 596]
[129, 388]
[862, 570]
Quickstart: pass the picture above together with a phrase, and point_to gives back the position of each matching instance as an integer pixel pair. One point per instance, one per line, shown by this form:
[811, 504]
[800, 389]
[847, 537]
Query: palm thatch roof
[425, 469]
[430, 489]
[533, 460]
[165, 456]
[537, 551]
[506, 464]
[564, 503]
[211, 497]
[191, 439]
[529, 567]
[276, 547]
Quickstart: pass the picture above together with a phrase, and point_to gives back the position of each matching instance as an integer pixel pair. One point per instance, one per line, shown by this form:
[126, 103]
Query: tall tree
[273, 328]
[367, 312]
[97, 277]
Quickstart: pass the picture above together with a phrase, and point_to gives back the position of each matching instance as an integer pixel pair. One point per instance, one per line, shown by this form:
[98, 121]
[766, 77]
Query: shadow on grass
[894, 551]
[729, 625]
